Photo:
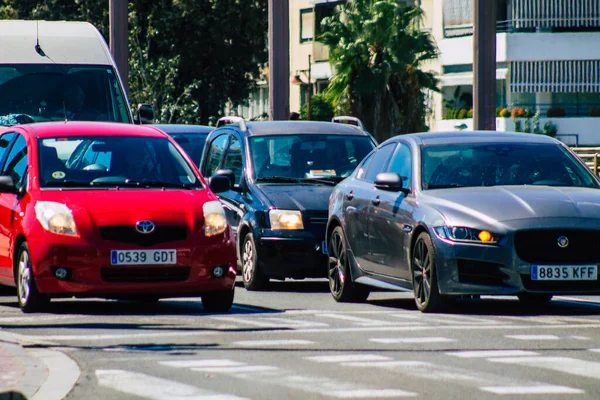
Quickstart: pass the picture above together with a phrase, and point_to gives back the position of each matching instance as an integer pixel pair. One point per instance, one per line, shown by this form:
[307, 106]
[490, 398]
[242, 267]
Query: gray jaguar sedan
[466, 213]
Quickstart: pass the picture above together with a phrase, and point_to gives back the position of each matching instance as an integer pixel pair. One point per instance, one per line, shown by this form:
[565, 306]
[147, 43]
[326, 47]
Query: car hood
[297, 197]
[492, 205]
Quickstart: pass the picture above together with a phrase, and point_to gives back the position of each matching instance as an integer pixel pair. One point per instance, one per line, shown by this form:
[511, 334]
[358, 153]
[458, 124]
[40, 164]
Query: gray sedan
[466, 213]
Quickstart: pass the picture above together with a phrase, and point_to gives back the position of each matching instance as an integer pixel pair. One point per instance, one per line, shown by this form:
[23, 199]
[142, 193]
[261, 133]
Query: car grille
[144, 274]
[559, 286]
[480, 273]
[541, 246]
[128, 234]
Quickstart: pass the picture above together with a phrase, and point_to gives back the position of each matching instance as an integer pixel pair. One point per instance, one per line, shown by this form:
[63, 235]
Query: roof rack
[344, 119]
[232, 120]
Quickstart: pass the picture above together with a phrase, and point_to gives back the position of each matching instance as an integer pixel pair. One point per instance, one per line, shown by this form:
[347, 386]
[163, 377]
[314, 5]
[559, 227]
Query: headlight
[56, 218]
[214, 218]
[285, 220]
[463, 234]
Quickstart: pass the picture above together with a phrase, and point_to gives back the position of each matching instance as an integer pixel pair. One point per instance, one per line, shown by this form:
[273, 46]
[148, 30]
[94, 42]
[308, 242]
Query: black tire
[30, 300]
[252, 276]
[534, 299]
[218, 301]
[342, 288]
[425, 282]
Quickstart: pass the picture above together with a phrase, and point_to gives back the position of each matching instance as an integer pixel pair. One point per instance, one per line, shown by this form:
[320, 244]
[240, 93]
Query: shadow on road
[295, 286]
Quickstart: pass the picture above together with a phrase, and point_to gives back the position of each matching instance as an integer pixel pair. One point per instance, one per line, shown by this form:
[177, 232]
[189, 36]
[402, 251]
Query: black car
[190, 137]
[282, 175]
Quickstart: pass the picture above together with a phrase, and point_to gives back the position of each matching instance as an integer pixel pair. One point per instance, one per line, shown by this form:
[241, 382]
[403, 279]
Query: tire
[342, 288]
[424, 274]
[30, 300]
[218, 301]
[534, 299]
[252, 276]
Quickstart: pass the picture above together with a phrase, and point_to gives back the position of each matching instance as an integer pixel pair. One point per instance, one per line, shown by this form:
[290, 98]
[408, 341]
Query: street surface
[295, 342]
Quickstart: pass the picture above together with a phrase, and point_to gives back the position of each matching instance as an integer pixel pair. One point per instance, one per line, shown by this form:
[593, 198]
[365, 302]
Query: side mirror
[145, 114]
[389, 181]
[7, 184]
[231, 176]
[219, 184]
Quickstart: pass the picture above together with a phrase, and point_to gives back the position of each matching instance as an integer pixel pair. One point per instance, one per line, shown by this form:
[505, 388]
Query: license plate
[564, 272]
[324, 246]
[143, 257]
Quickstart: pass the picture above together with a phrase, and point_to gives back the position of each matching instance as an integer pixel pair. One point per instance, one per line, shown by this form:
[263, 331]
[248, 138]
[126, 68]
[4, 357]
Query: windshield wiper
[334, 180]
[155, 183]
[277, 179]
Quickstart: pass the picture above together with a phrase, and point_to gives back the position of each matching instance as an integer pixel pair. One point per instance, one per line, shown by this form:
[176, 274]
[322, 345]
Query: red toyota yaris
[109, 210]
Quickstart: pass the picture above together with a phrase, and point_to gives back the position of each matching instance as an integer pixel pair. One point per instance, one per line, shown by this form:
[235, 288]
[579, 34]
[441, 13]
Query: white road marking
[347, 358]
[290, 342]
[412, 340]
[368, 393]
[357, 320]
[454, 319]
[274, 322]
[579, 337]
[63, 374]
[150, 387]
[200, 363]
[572, 366]
[542, 389]
[491, 353]
[594, 350]
[532, 337]
[96, 337]
[237, 370]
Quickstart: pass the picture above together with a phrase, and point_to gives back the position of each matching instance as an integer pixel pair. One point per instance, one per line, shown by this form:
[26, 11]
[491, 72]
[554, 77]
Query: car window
[5, 142]
[215, 155]
[192, 143]
[402, 164]
[115, 161]
[380, 161]
[16, 162]
[233, 158]
[360, 174]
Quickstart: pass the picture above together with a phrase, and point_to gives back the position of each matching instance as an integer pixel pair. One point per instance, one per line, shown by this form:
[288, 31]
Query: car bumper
[292, 255]
[90, 272]
[471, 269]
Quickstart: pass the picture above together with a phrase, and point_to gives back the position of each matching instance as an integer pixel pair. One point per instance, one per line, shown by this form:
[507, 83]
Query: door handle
[376, 201]
[350, 195]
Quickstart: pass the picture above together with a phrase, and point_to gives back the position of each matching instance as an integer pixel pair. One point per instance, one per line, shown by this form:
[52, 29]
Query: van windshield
[55, 92]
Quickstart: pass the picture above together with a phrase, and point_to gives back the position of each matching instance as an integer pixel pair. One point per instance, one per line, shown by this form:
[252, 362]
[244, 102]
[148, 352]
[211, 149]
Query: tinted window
[402, 164]
[233, 159]
[307, 156]
[4, 142]
[16, 162]
[215, 155]
[192, 143]
[113, 161]
[501, 164]
[379, 162]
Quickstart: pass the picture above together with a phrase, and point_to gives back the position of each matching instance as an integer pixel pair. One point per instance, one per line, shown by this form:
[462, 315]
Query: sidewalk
[33, 373]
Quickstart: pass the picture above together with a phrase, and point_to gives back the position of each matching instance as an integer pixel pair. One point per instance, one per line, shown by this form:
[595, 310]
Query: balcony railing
[530, 25]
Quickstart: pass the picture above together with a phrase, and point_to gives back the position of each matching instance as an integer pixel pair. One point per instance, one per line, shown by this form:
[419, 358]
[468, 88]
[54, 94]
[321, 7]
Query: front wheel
[341, 286]
[252, 276]
[425, 282]
[30, 300]
[218, 301]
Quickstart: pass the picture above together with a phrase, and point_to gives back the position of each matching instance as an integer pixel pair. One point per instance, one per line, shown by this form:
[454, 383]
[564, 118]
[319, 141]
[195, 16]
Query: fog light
[218, 272]
[61, 273]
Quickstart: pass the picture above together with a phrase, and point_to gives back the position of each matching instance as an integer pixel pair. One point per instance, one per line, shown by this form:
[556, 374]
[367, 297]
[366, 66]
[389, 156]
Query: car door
[10, 208]
[215, 154]
[233, 200]
[5, 215]
[390, 219]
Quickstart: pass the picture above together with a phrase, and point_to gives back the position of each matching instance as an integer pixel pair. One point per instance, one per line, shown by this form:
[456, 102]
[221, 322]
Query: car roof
[264, 128]
[184, 128]
[74, 128]
[457, 137]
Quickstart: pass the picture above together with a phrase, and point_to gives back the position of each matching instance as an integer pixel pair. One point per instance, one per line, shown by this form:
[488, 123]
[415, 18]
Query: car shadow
[294, 286]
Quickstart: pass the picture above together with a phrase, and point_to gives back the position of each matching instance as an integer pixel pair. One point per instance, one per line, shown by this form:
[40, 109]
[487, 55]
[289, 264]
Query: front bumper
[91, 272]
[291, 254]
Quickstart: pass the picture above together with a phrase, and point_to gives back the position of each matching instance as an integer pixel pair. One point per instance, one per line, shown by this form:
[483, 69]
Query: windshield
[192, 143]
[55, 92]
[113, 161]
[501, 164]
[329, 157]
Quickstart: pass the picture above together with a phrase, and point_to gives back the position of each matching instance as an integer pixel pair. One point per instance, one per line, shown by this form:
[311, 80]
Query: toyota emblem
[145, 227]
[563, 242]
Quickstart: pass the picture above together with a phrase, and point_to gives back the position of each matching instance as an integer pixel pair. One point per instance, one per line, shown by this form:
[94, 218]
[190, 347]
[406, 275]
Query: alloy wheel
[422, 267]
[248, 260]
[24, 286]
[337, 264]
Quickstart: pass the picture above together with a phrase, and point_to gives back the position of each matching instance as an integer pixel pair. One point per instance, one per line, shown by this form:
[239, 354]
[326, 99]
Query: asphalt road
[295, 342]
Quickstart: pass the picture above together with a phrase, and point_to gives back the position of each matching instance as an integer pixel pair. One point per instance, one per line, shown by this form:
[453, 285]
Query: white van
[58, 70]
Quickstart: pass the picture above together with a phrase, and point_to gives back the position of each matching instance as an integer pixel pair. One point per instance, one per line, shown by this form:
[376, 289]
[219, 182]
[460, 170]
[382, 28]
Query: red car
[109, 210]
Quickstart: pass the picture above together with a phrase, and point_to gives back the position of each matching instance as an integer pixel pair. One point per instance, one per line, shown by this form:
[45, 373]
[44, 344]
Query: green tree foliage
[187, 57]
[320, 107]
[377, 50]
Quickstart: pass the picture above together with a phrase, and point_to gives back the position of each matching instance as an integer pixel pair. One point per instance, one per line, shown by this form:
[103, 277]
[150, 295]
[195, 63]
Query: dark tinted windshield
[307, 156]
[40, 92]
[111, 161]
[501, 164]
[192, 143]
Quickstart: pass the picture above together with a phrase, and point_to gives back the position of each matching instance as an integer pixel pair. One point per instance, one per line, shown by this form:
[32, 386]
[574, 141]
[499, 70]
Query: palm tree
[376, 49]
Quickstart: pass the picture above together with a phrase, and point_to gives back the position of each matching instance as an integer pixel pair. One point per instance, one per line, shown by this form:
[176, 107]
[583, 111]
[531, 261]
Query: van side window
[233, 158]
